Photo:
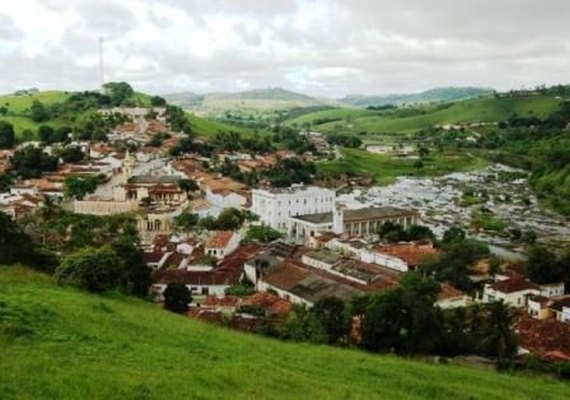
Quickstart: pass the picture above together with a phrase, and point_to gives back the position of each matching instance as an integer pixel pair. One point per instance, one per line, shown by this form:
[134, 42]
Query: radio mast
[101, 66]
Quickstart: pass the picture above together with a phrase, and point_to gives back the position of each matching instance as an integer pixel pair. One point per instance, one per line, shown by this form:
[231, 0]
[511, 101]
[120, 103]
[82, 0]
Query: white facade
[552, 289]
[221, 251]
[275, 206]
[514, 299]
[225, 199]
[374, 257]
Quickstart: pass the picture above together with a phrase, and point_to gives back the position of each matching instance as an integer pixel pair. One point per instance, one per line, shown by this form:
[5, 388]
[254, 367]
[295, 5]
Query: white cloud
[325, 47]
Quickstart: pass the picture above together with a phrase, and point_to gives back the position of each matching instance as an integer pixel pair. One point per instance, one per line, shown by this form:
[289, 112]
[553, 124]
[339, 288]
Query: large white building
[275, 206]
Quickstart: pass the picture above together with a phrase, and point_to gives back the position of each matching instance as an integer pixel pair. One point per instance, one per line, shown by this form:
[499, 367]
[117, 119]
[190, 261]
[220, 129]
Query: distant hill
[256, 100]
[61, 343]
[411, 119]
[445, 94]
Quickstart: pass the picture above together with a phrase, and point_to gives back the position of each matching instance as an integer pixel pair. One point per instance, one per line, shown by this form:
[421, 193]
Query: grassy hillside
[488, 109]
[428, 96]
[251, 101]
[19, 104]
[58, 342]
[386, 168]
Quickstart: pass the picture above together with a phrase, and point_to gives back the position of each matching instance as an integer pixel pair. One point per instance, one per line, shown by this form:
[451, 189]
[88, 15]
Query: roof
[558, 305]
[360, 214]
[228, 272]
[548, 338]
[271, 303]
[151, 179]
[227, 301]
[411, 253]
[513, 285]
[449, 292]
[323, 255]
[220, 239]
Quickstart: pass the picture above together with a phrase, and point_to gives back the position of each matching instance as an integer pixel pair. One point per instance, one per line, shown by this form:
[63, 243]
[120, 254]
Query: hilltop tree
[157, 101]
[177, 297]
[7, 137]
[119, 92]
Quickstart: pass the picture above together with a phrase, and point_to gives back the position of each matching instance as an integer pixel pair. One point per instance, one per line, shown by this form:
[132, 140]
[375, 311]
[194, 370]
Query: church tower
[129, 164]
[338, 219]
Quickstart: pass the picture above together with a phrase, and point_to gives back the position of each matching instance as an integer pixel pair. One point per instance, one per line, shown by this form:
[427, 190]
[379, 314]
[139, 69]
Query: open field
[21, 103]
[58, 342]
[386, 168]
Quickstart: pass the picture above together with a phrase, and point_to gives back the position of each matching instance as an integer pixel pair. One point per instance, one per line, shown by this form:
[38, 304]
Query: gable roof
[513, 285]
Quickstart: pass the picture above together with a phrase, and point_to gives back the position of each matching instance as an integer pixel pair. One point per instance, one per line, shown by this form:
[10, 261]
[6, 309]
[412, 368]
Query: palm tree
[498, 334]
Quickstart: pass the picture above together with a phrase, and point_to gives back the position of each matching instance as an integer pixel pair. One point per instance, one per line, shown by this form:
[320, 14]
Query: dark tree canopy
[177, 297]
[7, 137]
[30, 162]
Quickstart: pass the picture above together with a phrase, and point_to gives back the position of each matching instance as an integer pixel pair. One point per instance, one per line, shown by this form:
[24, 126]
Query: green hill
[486, 109]
[251, 101]
[429, 96]
[57, 342]
[18, 113]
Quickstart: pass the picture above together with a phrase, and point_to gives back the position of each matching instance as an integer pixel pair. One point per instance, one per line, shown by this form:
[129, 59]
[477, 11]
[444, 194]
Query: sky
[319, 47]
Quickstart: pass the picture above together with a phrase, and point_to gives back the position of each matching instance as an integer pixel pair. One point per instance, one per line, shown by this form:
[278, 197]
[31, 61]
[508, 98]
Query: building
[222, 243]
[513, 292]
[275, 206]
[352, 222]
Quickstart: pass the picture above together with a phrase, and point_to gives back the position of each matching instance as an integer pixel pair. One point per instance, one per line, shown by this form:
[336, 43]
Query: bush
[177, 297]
[95, 270]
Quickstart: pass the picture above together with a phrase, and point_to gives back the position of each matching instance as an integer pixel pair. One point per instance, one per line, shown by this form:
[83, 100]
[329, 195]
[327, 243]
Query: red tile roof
[411, 253]
[513, 285]
[449, 292]
[547, 338]
[220, 239]
[271, 303]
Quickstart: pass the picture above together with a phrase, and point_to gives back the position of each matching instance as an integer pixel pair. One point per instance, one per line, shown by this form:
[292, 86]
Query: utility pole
[101, 66]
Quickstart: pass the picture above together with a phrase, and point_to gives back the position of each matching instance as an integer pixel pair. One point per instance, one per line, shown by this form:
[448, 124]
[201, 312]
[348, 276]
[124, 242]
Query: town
[241, 236]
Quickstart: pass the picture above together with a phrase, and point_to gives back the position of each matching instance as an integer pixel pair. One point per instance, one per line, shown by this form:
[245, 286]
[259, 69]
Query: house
[360, 222]
[560, 308]
[552, 289]
[513, 292]
[275, 206]
[538, 307]
[450, 297]
[222, 243]
[401, 256]
[207, 280]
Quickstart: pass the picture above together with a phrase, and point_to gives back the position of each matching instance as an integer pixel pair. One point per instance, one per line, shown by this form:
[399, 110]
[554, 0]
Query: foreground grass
[60, 343]
[386, 168]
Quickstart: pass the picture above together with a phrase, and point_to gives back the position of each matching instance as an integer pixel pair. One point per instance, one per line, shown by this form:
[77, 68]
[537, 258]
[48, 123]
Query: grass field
[21, 103]
[487, 109]
[60, 343]
[386, 168]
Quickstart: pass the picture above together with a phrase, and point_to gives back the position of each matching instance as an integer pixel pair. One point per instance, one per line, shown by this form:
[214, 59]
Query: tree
[95, 270]
[186, 221]
[7, 137]
[543, 266]
[137, 278]
[76, 187]
[119, 92]
[157, 101]
[302, 325]
[453, 234]
[177, 297]
[404, 320]
[499, 339]
[72, 154]
[38, 112]
[330, 312]
[188, 185]
[263, 234]
[30, 162]
[46, 134]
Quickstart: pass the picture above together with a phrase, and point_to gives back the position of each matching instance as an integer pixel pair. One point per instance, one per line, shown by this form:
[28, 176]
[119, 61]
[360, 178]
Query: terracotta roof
[220, 239]
[558, 305]
[513, 285]
[271, 303]
[548, 338]
[227, 301]
[449, 292]
[287, 275]
[411, 253]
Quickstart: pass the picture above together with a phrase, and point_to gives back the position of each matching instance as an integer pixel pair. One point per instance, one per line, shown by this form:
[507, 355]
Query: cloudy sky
[321, 47]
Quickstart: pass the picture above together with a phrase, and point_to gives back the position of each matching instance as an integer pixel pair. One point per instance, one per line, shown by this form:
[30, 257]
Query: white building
[513, 292]
[275, 206]
[224, 198]
[222, 243]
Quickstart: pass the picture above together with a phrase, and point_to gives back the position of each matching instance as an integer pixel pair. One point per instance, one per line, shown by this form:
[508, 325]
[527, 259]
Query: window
[205, 291]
